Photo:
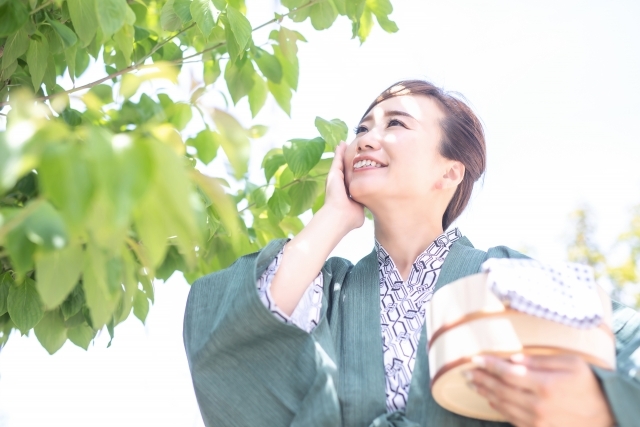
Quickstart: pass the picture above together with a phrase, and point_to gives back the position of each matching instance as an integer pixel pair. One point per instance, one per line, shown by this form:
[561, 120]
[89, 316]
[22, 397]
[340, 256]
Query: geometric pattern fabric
[402, 313]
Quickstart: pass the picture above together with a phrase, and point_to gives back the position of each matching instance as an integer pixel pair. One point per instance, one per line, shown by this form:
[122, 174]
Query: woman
[326, 343]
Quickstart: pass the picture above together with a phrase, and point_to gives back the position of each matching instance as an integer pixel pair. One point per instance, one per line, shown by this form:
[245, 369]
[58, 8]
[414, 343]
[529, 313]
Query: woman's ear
[454, 174]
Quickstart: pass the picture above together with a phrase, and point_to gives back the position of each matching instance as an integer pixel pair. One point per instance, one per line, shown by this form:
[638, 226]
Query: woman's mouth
[367, 164]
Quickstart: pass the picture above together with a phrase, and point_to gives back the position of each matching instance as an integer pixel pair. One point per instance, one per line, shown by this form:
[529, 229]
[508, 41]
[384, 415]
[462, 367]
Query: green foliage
[101, 189]
[624, 275]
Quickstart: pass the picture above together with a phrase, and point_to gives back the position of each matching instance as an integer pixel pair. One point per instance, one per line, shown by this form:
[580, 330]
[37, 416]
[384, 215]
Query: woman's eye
[360, 129]
[395, 122]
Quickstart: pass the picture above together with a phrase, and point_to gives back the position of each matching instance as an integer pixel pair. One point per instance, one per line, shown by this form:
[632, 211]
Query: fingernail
[517, 358]
[467, 375]
[479, 361]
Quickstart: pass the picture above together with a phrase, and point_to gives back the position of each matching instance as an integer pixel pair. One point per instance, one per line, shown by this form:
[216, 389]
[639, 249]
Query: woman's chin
[362, 192]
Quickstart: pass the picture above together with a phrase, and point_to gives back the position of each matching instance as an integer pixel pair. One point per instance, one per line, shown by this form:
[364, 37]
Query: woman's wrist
[335, 221]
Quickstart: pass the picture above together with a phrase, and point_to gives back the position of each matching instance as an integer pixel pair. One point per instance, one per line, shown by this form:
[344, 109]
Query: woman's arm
[306, 253]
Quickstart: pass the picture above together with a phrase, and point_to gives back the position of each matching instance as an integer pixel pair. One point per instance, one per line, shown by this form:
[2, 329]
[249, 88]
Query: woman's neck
[405, 234]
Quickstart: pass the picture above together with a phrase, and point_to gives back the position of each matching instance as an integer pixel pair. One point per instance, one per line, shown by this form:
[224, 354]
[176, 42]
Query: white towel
[562, 292]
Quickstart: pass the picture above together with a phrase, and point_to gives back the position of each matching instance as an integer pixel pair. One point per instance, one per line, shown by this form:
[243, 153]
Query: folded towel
[562, 292]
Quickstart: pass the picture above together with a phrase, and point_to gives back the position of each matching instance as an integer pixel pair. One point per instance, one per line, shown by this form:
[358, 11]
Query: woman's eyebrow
[388, 113]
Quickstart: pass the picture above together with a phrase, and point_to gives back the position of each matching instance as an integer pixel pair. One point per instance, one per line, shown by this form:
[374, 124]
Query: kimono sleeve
[622, 387]
[249, 368]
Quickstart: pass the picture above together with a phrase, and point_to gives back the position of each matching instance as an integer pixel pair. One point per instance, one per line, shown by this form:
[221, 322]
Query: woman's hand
[337, 200]
[536, 391]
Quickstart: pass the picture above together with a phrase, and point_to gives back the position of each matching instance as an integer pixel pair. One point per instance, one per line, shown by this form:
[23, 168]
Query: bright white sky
[556, 85]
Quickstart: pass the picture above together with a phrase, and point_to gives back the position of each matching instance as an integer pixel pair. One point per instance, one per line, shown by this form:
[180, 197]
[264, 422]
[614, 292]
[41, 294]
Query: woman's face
[402, 136]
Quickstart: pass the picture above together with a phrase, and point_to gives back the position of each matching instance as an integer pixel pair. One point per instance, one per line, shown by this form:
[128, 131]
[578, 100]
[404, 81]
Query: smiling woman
[286, 337]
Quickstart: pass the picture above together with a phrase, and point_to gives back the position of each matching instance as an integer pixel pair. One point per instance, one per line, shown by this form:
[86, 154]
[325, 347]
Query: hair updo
[462, 138]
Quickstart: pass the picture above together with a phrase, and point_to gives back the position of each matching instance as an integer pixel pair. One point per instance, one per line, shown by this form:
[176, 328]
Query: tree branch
[159, 45]
[42, 6]
[139, 65]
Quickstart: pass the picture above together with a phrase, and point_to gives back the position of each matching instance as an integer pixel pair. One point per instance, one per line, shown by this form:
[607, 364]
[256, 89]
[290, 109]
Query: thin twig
[42, 6]
[159, 45]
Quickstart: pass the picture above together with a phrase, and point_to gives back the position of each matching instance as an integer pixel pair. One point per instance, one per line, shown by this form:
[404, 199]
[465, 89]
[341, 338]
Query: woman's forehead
[421, 108]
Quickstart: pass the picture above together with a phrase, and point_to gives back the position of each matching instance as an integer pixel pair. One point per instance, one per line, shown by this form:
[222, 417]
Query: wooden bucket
[465, 319]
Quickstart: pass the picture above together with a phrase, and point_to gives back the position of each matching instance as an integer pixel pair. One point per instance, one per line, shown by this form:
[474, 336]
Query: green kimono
[251, 369]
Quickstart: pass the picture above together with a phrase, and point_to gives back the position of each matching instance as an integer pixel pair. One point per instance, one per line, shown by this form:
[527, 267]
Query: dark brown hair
[462, 138]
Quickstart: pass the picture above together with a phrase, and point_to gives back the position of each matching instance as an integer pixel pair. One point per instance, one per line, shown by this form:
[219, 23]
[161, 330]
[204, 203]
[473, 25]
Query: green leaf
[282, 94]
[257, 131]
[70, 58]
[382, 9]
[211, 72]
[239, 78]
[66, 179]
[37, 60]
[152, 228]
[13, 15]
[290, 67]
[45, 228]
[257, 95]
[323, 15]
[269, 65]
[220, 4]
[303, 193]
[292, 4]
[181, 7]
[100, 299]
[203, 13]
[58, 273]
[292, 225]
[318, 203]
[279, 203]
[24, 305]
[333, 131]
[169, 19]
[272, 162]
[49, 78]
[81, 335]
[15, 46]
[240, 27]
[20, 249]
[6, 74]
[6, 281]
[103, 92]
[341, 6]
[355, 9]
[207, 144]
[73, 303]
[365, 25]
[51, 331]
[124, 38]
[84, 16]
[234, 141]
[303, 154]
[66, 34]
[140, 306]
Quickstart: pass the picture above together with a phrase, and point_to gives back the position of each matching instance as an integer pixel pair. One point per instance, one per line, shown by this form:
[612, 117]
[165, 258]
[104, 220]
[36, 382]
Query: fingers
[515, 375]
[338, 158]
[565, 362]
[512, 403]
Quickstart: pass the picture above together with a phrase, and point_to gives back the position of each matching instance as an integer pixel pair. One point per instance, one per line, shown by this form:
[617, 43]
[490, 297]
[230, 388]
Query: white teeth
[365, 163]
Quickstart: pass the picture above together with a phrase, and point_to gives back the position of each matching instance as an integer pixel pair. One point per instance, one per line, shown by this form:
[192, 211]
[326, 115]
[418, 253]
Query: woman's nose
[368, 141]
